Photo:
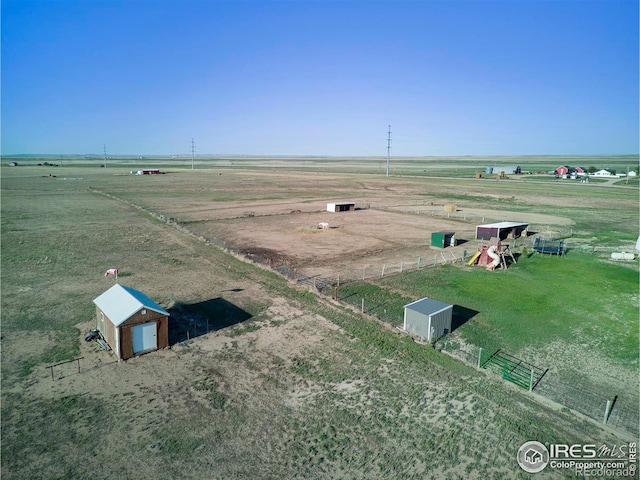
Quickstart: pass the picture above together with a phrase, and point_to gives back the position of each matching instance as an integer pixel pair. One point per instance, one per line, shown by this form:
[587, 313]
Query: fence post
[479, 357]
[383, 270]
[606, 412]
[362, 307]
[400, 267]
[338, 279]
[531, 381]
[364, 272]
[419, 263]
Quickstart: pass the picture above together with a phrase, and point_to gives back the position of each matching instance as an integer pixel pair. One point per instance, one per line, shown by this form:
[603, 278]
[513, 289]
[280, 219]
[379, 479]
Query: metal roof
[119, 303]
[428, 306]
[503, 225]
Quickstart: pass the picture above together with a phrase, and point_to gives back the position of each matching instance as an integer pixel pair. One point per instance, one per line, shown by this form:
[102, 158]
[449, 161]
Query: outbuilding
[502, 230]
[443, 239]
[428, 318]
[506, 169]
[130, 322]
[341, 207]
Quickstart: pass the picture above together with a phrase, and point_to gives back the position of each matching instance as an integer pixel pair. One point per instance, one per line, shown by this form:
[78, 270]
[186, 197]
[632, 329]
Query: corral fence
[619, 412]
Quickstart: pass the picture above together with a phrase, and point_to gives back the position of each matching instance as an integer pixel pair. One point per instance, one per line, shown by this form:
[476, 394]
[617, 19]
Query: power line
[193, 152]
[388, 149]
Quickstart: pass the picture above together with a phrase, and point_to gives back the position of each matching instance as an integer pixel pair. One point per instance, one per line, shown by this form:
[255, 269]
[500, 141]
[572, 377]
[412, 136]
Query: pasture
[297, 386]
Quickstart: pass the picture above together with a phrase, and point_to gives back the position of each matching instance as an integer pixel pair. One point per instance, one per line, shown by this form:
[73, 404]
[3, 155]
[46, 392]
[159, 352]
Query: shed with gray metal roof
[428, 318]
[130, 322]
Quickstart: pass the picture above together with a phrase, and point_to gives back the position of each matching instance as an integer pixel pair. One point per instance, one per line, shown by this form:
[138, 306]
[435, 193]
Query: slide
[496, 258]
[473, 259]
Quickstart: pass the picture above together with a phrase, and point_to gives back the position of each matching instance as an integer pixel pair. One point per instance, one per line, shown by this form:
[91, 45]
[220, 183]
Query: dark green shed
[443, 239]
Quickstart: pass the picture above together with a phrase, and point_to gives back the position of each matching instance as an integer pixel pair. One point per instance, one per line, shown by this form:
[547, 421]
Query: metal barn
[130, 322]
[506, 169]
[341, 207]
[428, 318]
[501, 230]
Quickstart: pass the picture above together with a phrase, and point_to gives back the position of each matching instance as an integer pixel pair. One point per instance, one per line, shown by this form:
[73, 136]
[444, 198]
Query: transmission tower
[193, 152]
[104, 150]
[388, 149]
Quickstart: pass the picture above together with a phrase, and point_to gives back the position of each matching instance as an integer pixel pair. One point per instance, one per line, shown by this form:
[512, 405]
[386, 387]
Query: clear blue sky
[319, 77]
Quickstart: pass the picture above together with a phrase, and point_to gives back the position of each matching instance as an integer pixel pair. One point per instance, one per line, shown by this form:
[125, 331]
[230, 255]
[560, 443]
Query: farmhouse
[603, 173]
[341, 207]
[502, 230]
[130, 322]
[428, 318]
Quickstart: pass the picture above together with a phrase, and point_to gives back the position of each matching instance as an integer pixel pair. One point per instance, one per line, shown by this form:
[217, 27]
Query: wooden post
[362, 308]
[531, 381]
[419, 259]
[400, 267]
[606, 412]
[479, 357]
[364, 272]
[338, 279]
[383, 270]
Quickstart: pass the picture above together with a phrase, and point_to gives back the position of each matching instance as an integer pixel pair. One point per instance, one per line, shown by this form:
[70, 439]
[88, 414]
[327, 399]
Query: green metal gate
[511, 368]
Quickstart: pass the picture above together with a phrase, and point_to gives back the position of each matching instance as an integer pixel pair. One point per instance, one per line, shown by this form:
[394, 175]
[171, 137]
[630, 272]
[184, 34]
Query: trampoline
[551, 247]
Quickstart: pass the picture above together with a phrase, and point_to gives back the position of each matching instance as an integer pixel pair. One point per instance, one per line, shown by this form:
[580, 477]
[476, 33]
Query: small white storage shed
[428, 318]
[341, 207]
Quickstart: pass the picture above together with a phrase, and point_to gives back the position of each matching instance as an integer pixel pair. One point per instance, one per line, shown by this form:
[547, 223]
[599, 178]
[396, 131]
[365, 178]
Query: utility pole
[193, 152]
[388, 149]
[104, 150]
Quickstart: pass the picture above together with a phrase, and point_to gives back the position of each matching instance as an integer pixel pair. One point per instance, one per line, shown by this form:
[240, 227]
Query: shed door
[144, 337]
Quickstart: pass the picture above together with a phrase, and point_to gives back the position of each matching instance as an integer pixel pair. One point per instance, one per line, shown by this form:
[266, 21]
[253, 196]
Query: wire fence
[618, 412]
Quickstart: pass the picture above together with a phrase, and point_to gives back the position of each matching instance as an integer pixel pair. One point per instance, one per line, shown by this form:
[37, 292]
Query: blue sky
[319, 77]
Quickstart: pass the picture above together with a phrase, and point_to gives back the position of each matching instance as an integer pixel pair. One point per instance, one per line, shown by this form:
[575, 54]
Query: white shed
[341, 207]
[428, 318]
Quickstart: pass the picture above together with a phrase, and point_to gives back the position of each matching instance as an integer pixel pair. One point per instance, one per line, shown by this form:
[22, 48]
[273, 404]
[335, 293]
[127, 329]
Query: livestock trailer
[428, 318]
[501, 230]
[130, 322]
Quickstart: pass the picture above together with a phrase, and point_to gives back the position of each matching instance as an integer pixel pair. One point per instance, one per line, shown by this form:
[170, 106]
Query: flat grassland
[273, 380]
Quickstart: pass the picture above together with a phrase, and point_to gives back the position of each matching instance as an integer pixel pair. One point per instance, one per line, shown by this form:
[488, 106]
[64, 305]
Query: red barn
[562, 170]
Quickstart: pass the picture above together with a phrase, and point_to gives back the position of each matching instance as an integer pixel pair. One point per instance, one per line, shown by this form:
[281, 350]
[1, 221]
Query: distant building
[506, 169]
[341, 207]
[603, 173]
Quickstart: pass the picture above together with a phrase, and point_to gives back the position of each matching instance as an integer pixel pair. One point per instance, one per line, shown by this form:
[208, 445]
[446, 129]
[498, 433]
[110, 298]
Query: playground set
[491, 255]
